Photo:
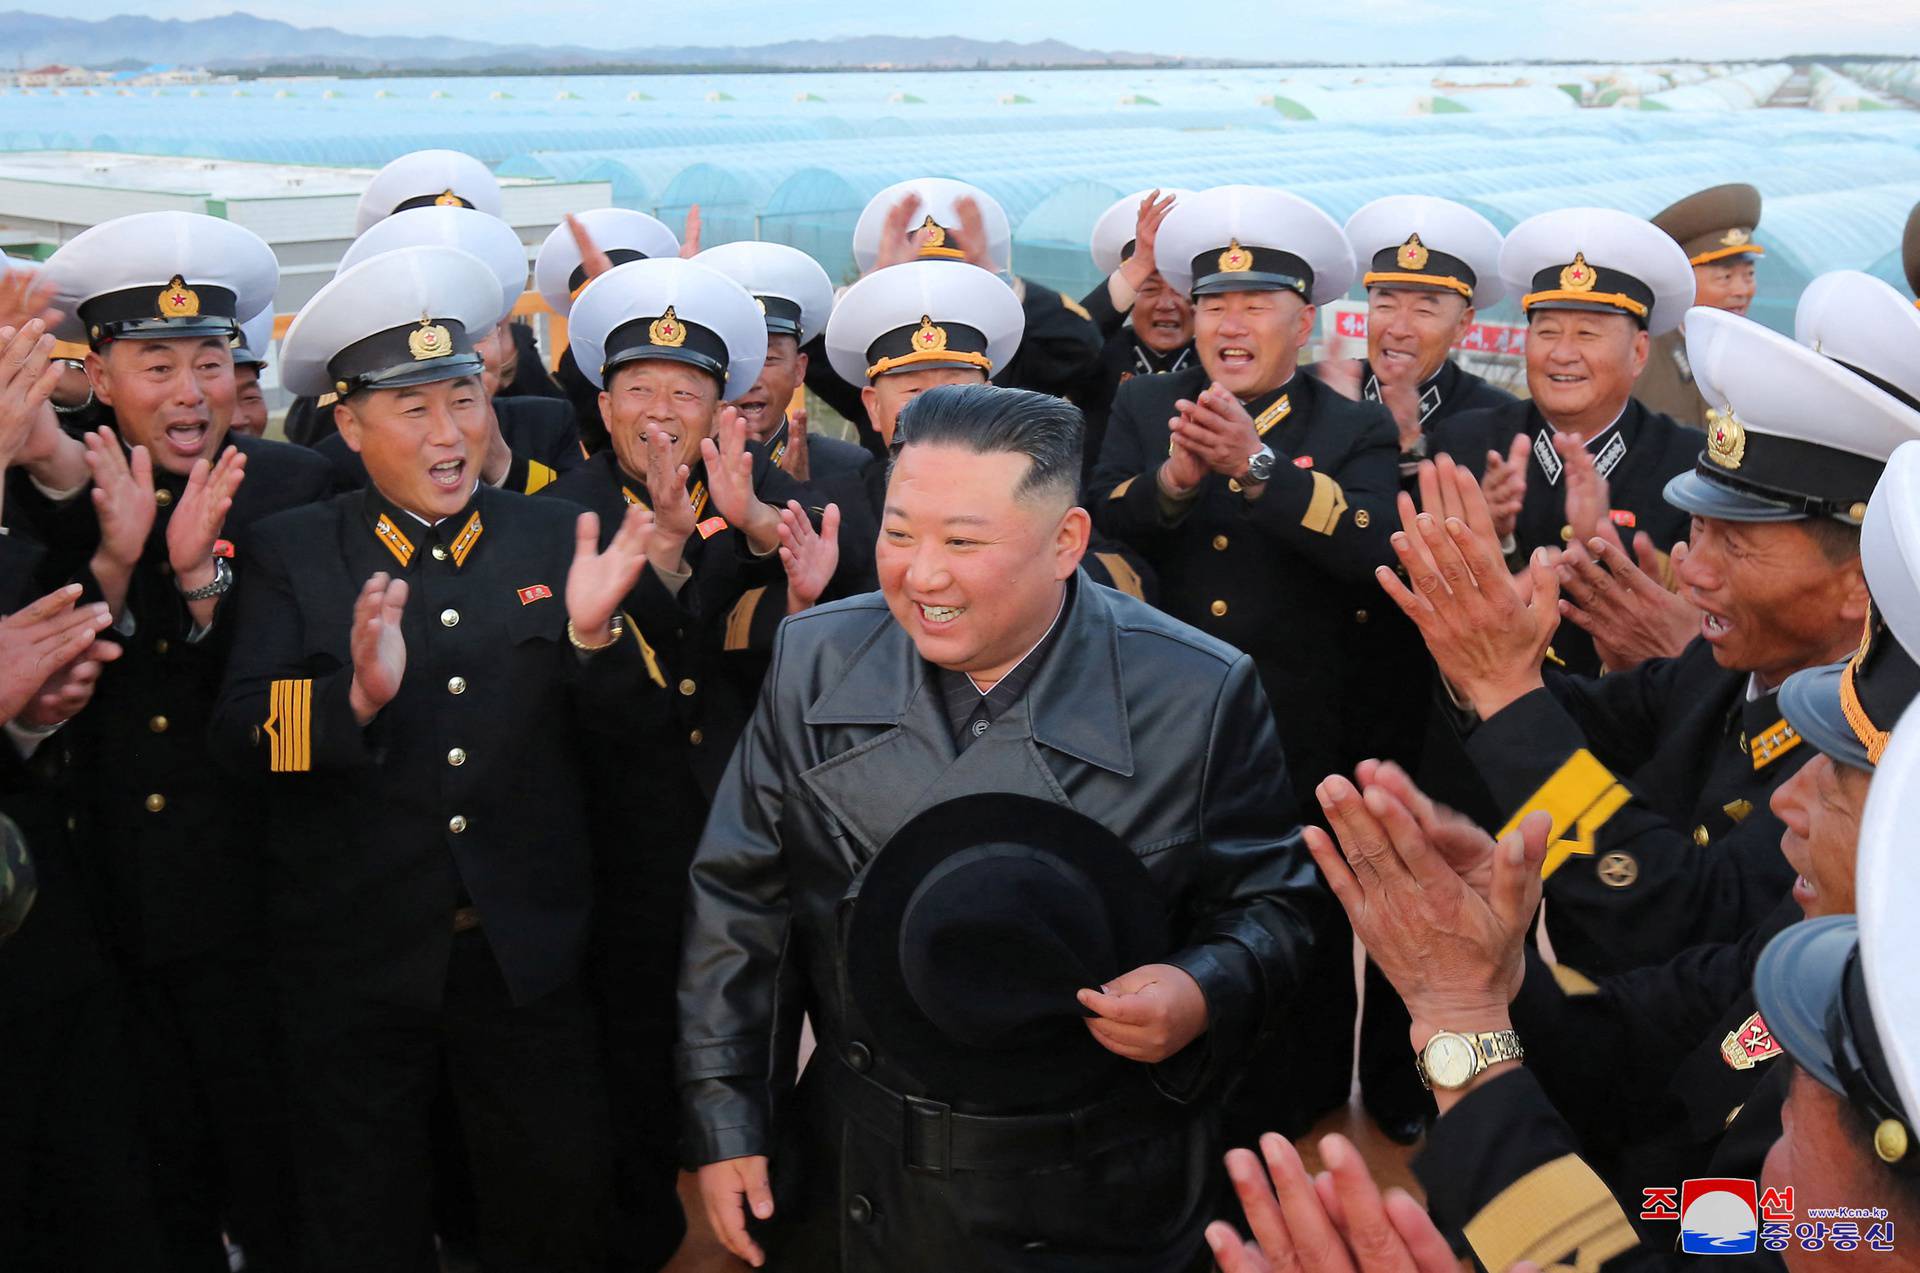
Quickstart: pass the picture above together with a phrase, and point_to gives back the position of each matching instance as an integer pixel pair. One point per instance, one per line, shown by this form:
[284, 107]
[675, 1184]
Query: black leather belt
[935, 1140]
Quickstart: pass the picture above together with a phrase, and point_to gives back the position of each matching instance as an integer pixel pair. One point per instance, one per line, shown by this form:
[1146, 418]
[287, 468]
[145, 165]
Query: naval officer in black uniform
[421, 668]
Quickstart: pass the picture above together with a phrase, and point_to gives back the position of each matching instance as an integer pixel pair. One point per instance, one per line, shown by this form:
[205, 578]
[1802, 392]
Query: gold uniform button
[1219, 608]
[1359, 616]
[449, 618]
[439, 552]
[1566, 534]
[1618, 870]
[1233, 484]
[161, 646]
[156, 802]
[1219, 543]
[158, 724]
[697, 737]
[73, 823]
[457, 823]
[163, 497]
[687, 687]
[1700, 836]
[456, 685]
[457, 757]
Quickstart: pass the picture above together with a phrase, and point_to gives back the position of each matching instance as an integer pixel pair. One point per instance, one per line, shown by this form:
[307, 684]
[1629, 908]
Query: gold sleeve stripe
[1557, 1214]
[1326, 506]
[538, 475]
[1580, 796]
[740, 619]
[1122, 489]
[289, 727]
[654, 673]
[1573, 981]
[1074, 307]
[1125, 577]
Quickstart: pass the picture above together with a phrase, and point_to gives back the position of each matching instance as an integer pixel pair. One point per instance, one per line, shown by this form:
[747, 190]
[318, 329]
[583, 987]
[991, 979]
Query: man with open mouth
[163, 534]
[419, 670]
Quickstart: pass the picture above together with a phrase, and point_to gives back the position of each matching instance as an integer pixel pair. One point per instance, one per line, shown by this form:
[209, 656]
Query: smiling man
[1657, 777]
[987, 663]
[1715, 229]
[418, 668]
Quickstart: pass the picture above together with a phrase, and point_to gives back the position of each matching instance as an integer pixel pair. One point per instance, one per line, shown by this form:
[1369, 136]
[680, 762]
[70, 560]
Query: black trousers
[74, 1184]
[212, 1110]
[529, 1093]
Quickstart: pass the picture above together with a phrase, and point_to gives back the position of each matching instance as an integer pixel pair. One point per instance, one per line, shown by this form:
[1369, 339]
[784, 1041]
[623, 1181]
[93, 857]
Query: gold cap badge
[1726, 438]
[936, 234]
[1236, 259]
[448, 199]
[1578, 277]
[1735, 237]
[761, 301]
[1413, 254]
[429, 340]
[929, 339]
[667, 330]
[177, 300]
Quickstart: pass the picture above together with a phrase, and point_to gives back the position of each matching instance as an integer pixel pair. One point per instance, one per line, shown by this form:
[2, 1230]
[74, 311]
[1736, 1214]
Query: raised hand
[690, 233]
[39, 639]
[1342, 375]
[199, 516]
[1589, 500]
[729, 467]
[1341, 1223]
[28, 375]
[1461, 841]
[810, 557]
[727, 1189]
[593, 261]
[794, 459]
[26, 296]
[973, 234]
[378, 648]
[1487, 629]
[600, 579]
[1184, 468]
[1400, 393]
[1506, 485]
[1216, 428]
[1139, 267]
[70, 688]
[896, 233]
[1147, 1014]
[1623, 606]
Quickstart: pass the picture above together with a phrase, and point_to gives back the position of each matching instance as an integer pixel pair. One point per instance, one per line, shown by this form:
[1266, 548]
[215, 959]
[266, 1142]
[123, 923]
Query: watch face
[1449, 1060]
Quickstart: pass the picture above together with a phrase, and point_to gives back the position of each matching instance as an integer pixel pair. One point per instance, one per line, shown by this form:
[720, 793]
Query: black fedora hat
[972, 931]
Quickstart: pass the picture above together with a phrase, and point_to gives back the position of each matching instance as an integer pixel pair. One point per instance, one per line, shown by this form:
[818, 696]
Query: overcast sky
[1339, 30]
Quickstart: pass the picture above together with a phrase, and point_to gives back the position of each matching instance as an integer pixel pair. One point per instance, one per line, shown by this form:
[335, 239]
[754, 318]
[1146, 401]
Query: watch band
[1490, 1048]
[222, 580]
[617, 625]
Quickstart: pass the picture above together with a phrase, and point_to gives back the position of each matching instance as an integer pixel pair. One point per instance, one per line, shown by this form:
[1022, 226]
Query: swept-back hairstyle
[987, 420]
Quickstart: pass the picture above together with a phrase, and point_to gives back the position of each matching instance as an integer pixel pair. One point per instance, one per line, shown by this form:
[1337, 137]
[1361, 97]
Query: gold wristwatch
[1451, 1061]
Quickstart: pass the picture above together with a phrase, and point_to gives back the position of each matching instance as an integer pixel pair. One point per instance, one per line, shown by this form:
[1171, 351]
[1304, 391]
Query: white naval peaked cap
[793, 292]
[672, 310]
[256, 340]
[1601, 260]
[406, 317]
[1254, 239]
[1886, 891]
[1890, 545]
[1865, 325]
[939, 200]
[1418, 241]
[1790, 434]
[424, 178]
[1112, 239]
[921, 314]
[489, 238]
[160, 275]
[623, 234]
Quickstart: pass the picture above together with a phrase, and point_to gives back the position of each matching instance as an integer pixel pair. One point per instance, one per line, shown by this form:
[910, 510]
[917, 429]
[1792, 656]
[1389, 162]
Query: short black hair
[1838, 541]
[987, 420]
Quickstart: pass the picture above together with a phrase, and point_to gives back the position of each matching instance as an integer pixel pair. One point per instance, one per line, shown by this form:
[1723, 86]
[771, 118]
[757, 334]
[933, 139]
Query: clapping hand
[28, 376]
[1623, 606]
[1505, 486]
[600, 579]
[1140, 267]
[795, 460]
[40, 639]
[690, 233]
[378, 648]
[810, 556]
[197, 520]
[729, 468]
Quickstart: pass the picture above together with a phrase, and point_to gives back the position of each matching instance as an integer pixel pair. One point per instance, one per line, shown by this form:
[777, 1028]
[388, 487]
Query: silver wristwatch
[222, 580]
[1260, 465]
[1451, 1061]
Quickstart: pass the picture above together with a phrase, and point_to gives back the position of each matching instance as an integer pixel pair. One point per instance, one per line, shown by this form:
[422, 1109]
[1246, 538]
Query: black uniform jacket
[862, 497]
[170, 838]
[538, 430]
[1286, 577]
[467, 788]
[1122, 357]
[715, 636]
[1449, 392]
[1505, 1168]
[1664, 1071]
[1058, 347]
[1658, 780]
[1156, 730]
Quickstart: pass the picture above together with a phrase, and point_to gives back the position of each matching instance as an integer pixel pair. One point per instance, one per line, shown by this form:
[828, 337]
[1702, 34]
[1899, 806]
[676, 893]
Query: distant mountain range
[240, 42]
